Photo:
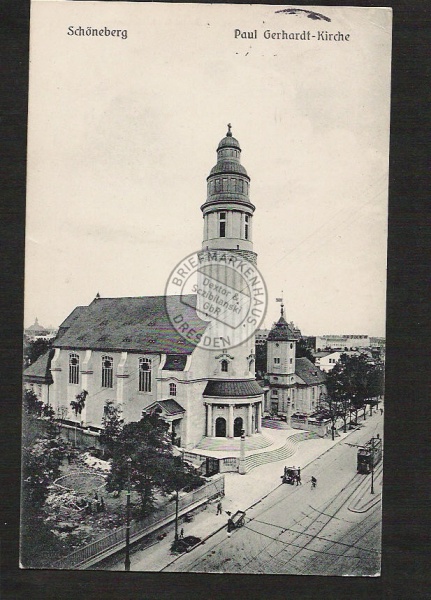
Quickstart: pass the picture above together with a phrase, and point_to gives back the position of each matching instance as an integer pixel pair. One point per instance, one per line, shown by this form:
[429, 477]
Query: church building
[127, 350]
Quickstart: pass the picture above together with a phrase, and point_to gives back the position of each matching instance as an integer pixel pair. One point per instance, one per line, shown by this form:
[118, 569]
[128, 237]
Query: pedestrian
[219, 508]
[230, 527]
[298, 478]
[181, 533]
[313, 482]
[381, 411]
[102, 504]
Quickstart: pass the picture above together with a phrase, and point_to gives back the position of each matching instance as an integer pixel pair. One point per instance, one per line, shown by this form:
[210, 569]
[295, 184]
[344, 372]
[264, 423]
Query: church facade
[127, 350]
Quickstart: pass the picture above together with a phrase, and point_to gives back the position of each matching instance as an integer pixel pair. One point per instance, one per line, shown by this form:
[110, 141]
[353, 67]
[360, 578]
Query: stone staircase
[280, 453]
[256, 442]
[275, 424]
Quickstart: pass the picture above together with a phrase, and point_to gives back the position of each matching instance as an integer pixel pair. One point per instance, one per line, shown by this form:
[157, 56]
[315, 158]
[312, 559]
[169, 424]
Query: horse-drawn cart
[235, 521]
[291, 475]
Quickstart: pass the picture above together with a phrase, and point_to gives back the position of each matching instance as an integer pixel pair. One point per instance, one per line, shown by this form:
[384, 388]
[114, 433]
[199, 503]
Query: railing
[79, 557]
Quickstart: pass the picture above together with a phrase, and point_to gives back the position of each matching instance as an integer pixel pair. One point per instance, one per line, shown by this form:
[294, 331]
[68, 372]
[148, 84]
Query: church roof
[170, 407]
[232, 389]
[281, 332]
[308, 372]
[139, 324]
[39, 371]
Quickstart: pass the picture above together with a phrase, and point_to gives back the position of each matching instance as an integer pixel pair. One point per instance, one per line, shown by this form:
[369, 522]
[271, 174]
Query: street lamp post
[127, 559]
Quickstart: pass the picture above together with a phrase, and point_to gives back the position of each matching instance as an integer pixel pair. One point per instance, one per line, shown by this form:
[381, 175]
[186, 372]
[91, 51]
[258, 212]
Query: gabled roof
[139, 324]
[232, 389]
[170, 407]
[39, 371]
[308, 372]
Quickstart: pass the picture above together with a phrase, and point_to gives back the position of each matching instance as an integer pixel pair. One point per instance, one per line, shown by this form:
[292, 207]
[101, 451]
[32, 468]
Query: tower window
[224, 185]
[224, 366]
[291, 361]
[240, 185]
[233, 184]
[73, 368]
[217, 185]
[276, 361]
[172, 389]
[222, 224]
[107, 371]
[145, 375]
[246, 227]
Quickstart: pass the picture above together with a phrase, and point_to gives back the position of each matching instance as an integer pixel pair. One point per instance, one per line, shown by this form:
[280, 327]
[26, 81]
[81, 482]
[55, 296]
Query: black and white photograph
[205, 288]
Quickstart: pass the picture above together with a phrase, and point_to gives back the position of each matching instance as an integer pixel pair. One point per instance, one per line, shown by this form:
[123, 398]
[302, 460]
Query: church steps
[285, 451]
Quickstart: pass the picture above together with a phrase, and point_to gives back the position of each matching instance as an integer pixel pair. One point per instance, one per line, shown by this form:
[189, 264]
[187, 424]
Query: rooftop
[139, 324]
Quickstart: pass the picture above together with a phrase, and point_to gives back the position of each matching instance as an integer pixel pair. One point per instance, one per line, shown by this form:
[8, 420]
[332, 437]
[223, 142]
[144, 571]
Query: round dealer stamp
[216, 299]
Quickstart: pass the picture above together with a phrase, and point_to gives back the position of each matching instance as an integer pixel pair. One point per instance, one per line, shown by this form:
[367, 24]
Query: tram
[369, 455]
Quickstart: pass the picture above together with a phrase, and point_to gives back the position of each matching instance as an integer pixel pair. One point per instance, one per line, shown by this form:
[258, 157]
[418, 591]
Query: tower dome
[229, 141]
[228, 181]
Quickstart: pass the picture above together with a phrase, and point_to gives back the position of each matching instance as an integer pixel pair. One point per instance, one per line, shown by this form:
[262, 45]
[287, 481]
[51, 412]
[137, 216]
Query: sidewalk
[241, 493]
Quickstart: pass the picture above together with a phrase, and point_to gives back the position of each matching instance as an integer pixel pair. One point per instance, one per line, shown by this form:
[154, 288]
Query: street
[334, 529]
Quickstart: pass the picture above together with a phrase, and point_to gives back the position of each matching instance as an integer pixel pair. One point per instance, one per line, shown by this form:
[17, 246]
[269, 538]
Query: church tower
[232, 397]
[228, 212]
[281, 354]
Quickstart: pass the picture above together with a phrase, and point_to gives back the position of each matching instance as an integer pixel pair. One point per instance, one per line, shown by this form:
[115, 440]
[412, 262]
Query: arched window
[224, 366]
[145, 374]
[107, 371]
[73, 368]
[172, 389]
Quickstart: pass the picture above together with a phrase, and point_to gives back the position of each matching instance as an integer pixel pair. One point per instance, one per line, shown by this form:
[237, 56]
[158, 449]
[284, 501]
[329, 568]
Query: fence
[138, 530]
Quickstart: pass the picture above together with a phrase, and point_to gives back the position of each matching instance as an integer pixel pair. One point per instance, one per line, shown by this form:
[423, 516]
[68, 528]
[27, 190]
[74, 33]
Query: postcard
[205, 288]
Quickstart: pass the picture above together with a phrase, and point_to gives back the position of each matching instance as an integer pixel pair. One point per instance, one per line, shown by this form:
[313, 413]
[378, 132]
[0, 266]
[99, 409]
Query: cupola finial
[229, 132]
[282, 310]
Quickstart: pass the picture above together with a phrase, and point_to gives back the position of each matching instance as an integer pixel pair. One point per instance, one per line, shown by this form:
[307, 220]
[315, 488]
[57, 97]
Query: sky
[123, 133]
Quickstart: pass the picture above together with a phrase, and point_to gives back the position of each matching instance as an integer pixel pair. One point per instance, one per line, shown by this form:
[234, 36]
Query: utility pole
[177, 499]
[372, 465]
[127, 560]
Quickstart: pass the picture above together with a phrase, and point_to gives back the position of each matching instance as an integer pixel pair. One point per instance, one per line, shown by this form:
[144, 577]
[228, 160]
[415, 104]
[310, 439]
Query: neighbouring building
[342, 342]
[295, 384]
[327, 360]
[127, 350]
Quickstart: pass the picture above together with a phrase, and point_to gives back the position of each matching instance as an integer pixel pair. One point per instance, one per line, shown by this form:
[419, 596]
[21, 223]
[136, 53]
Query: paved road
[299, 530]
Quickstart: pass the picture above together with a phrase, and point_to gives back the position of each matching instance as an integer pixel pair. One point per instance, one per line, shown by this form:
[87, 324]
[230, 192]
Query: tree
[112, 425]
[339, 388]
[330, 408]
[153, 466]
[303, 351]
[261, 359]
[32, 405]
[79, 403]
[41, 466]
[35, 348]
[376, 382]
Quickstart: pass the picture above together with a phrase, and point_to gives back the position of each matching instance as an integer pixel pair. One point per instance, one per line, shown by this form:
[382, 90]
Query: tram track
[318, 522]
